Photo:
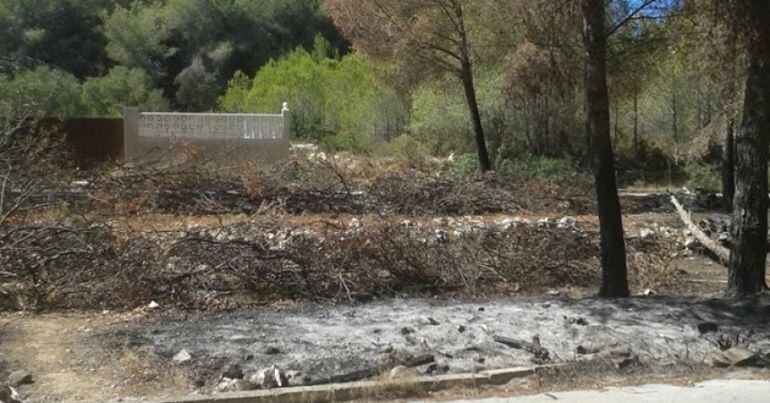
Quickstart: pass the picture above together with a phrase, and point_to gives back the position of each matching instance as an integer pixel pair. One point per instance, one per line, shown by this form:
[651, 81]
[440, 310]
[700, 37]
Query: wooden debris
[541, 354]
[722, 253]
[419, 360]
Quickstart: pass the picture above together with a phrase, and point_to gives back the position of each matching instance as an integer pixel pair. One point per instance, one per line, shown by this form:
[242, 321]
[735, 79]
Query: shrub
[464, 165]
[531, 166]
[336, 102]
[700, 176]
[42, 92]
[104, 96]
[408, 148]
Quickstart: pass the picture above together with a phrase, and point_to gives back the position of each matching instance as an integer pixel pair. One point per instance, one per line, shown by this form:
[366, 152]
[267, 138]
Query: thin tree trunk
[748, 251]
[473, 107]
[613, 254]
[466, 73]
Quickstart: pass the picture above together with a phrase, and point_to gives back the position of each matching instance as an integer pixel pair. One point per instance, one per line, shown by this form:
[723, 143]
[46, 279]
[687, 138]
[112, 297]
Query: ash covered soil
[316, 344]
[99, 357]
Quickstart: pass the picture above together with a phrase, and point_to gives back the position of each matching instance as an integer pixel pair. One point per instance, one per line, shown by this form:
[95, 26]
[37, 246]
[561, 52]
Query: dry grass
[143, 367]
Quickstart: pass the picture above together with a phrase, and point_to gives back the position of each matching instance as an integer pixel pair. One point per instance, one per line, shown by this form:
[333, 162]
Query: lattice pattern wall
[229, 137]
[211, 126]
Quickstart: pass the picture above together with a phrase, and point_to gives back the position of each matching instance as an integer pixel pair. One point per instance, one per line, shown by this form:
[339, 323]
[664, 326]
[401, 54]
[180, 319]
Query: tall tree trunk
[748, 249]
[728, 166]
[466, 75]
[613, 253]
[473, 106]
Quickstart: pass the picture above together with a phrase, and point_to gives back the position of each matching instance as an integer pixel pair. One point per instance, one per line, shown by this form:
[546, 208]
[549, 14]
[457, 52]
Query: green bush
[105, 96]
[42, 92]
[336, 102]
[533, 167]
[440, 117]
[346, 141]
[700, 176]
[408, 148]
[463, 165]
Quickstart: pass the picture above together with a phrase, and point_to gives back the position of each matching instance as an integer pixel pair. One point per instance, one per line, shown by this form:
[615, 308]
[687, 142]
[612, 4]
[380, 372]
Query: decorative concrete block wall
[263, 137]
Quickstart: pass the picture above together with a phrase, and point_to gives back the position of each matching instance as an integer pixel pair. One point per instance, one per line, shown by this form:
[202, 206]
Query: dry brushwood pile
[201, 236]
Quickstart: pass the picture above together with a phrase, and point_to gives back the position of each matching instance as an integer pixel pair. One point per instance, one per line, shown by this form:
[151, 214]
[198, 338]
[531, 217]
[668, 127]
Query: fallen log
[541, 354]
[722, 253]
[419, 360]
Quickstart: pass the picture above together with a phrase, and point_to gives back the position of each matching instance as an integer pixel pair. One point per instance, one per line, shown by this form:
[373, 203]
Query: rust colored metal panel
[95, 140]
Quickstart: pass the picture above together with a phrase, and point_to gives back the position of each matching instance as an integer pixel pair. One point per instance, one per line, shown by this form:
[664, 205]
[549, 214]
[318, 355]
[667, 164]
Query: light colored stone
[400, 372]
[645, 233]
[17, 378]
[233, 385]
[566, 222]
[740, 356]
[9, 395]
[182, 357]
[269, 378]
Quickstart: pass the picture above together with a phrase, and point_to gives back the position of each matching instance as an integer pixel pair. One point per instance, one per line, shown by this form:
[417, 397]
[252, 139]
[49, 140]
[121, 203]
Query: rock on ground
[17, 378]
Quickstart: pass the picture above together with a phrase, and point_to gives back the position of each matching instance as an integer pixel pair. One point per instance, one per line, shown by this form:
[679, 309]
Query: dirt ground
[96, 356]
[110, 355]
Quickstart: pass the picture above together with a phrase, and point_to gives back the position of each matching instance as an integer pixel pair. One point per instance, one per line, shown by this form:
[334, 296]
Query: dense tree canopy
[188, 48]
[674, 71]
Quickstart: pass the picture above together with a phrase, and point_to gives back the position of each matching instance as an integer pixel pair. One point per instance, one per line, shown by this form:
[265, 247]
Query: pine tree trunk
[473, 107]
[748, 249]
[466, 75]
[613, 254]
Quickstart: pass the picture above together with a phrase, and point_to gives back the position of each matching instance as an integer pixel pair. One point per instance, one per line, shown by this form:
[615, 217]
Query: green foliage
[525, 166]
[191, 48]
[105, 96]
[40, 92]
[700, 176]
[336, 102]
[535, 166]
[440, 113]
[61, 34]
[135, 37]
[197, 87]
[408, 148]
[463, 165]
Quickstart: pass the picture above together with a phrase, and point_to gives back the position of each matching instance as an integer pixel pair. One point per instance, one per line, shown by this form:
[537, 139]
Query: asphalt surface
[715, 391]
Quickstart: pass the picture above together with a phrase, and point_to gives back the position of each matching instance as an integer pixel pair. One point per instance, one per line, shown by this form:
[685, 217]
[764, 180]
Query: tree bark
[748, 251]
[473, 107]
[613, 254]
[466, 73]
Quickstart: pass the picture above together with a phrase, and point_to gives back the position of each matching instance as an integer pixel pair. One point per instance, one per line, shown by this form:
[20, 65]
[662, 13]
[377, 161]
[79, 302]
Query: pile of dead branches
[317, 187]
[92, 266]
